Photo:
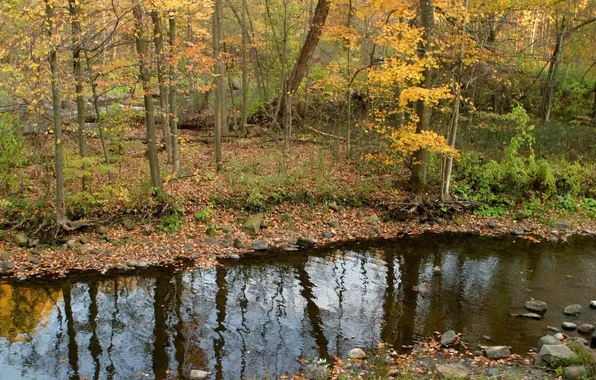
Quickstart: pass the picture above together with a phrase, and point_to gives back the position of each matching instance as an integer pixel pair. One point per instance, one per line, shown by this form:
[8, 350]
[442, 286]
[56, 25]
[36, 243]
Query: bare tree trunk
[74, 10]
[161, 80]
[244, 117]
[551, 78]
[349, 91]
[57, 120]
[420, 157]
[219, 91]
[173, 98]
[142, 52]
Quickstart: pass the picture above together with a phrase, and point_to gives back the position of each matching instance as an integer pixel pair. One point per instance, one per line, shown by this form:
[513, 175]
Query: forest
[174, 120]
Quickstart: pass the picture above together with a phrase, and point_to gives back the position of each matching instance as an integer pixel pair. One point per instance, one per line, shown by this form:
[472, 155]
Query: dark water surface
[259, 317]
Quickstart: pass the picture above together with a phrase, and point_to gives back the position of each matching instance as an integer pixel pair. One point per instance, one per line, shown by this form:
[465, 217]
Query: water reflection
[259, 318]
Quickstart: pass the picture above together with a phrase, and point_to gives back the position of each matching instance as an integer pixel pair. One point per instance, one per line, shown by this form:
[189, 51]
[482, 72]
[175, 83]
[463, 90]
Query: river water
[259, 317]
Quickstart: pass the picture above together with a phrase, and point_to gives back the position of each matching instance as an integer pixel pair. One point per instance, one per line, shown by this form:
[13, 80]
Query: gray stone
[554, 354]
[498, 352]
[6, 265]
[559, 336]
[141, 264]
[374, 218]
[561, 225]
[357, 353]
[35, 251]
[553, 329]
[227, 229]
[211, 241]
[253, 225]
[83, 260]
[83, 248]
[492, 224]
[238, 243]
[333, 206]
[188, 246]
[569, 326]
[197, 374]
[530, 316]
[211, 231]
[563, 240]
[234, 256]
[538, 362]
[535, 305]
[448, 338]
[585, 328]
[85, 239]
[70, 243]
[573, 310]
[327, 235]
[32, 243]
[518, 231]
[575, 372]
[21, 240]
[101, 230]
[6, 256]
[548, 339]
[291, 248]
[304, 242]
[226, 243]
[333, 223]
[453, 371]
[259, 245]
[582, 341]
[593, 304]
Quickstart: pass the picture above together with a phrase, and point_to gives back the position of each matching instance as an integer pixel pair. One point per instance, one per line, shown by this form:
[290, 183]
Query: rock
[373, 233]
[492, 224]
[70, 243]
[548, 340]
[6, 256]
[211, 241]
[32, 243]
[498, 352]
[453, 371]
[21, 240]
[83, 260]
[188, 246]
[554, 354]
[259, 245]
[327, 235]
[141, 264]
[357, 353]
[253, 225]
[535, 305]
[129, 225]
[227, 229]
[561, 225]
[95, 251]
[518, 231]
[582, 341]
[593, 304]
[448, 338]
[573, 310]
[211, 231]
[333, 223]
[291, 248]
[197, 374]
[538, 362]
[101, 230]
[83, 248]
[234, 256]
[586, 328]
[226, 243]
[374, 218]
[575, 372]
[563, 240]
[559, 336]
[304, 242]
[239, 244]
[333, 206]
[569, 326]
[85, 239]
[535, 316]
[553, 329]
[6, 265]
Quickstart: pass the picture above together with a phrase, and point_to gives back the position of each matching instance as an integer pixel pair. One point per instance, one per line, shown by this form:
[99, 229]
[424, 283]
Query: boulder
[593, 304]
[453, 371]
[548, 340]
[554, 354]
[498, 352]
[575, 372]
[561, 225]
[569, 326]
[573, 310]
[253, 225]
[586, 328]
[21, 240]
[357, 353]
[304, 242]
[581, 341]
[197, 374]
[535, 305]
[448, 338]
[259, 245]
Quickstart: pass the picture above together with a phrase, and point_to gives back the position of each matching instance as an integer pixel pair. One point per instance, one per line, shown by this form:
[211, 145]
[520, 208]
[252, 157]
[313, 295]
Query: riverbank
[133, 245]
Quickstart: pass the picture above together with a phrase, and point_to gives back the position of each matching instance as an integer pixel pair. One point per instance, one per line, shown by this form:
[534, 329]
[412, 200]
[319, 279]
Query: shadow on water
[260, 316]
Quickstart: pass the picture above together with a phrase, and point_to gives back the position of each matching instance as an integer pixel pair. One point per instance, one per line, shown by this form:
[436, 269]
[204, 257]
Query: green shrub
[172, 221]
[205, 214]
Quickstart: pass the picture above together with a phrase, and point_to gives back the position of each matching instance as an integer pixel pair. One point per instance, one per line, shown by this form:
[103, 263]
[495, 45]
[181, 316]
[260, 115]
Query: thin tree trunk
[173, 98]
[161, 80]
[74, 8]
[142, 52]
[219, 91]
[420, 157]
[57, 120]
[244, 117]
[550, 85]
[349, 91]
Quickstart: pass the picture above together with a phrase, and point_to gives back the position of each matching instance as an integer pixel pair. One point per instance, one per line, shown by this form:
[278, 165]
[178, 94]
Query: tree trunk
[74, 10]
[161, 80]
[244, 117]
[144, 77]
[550, 85]
[307, 50]
[57, 120]
[420, 157]
[219, 91]
[173, 98]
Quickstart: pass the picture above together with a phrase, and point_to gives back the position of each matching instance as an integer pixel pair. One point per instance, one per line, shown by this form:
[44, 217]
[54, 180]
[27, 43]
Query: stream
[259, 317]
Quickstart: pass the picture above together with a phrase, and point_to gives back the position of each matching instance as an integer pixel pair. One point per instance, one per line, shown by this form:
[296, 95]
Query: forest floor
[312, 191]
